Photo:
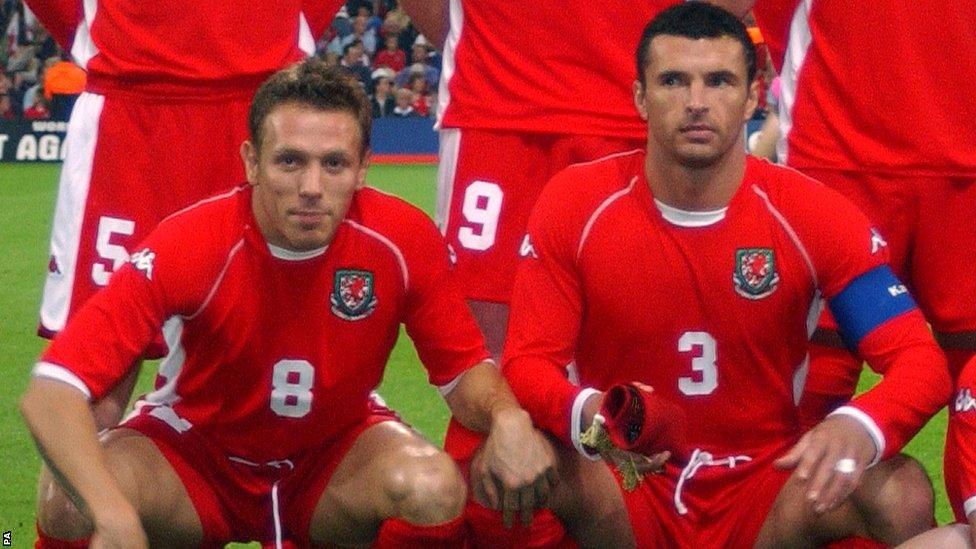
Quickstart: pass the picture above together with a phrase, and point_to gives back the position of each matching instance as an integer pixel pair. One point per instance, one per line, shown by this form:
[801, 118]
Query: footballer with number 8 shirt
[700, 272]
[281, 302]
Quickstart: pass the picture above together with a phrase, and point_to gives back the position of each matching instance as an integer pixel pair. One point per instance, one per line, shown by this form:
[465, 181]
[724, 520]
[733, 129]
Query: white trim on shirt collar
[292, 255]
[684, 218]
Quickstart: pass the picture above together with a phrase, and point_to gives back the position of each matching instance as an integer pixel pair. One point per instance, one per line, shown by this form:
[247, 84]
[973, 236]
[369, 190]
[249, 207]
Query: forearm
[60, 420]
[545, 392]
[480, 397]
[430, 17]
[916, 381]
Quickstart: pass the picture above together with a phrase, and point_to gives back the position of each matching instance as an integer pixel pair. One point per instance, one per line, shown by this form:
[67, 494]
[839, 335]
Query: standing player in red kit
[283, 301]
[905, 154]
[700, 272]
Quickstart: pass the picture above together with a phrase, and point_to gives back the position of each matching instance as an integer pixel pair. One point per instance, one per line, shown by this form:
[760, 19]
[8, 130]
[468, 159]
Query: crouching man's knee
[426, 488]
[896, 500]
[57, 516]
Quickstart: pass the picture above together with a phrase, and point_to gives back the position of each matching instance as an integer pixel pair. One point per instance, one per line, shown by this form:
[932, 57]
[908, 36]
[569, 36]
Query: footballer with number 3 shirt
[700, 272]
[281, 302]
[527, 89]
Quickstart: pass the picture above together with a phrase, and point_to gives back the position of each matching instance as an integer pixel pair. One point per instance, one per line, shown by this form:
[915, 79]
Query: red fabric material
[45, 541]
[518, 165]
[637, 420]
[530, 90]
[487, 530]
[916, 381]
[830, 384]
[856, 543]
[400, 534]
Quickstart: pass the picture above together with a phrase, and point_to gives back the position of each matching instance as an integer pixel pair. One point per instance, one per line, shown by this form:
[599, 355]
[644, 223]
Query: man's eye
[335, 164]
[716, 80]
[670, 80]
[289, 161]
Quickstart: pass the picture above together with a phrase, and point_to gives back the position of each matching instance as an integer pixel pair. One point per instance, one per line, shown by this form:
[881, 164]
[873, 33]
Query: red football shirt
[167, 47]
[552, 67]
[880, 86]
[712, 309]
[960, 453]
[271, 352]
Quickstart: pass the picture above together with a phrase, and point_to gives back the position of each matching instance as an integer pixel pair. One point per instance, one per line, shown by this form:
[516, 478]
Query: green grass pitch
[27, 196]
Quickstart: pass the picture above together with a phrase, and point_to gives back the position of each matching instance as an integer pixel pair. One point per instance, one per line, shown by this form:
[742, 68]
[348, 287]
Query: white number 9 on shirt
[291, 395]
[482, 205]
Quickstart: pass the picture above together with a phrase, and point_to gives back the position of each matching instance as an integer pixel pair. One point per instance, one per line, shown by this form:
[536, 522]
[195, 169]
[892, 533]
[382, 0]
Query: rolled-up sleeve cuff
[446, 389]
[62, 374]
[969, 506]
[576, 418]
[872, 428]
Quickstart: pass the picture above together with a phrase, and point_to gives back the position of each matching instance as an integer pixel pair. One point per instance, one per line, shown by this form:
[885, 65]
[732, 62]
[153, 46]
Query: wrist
[585, 407]
[510, 417]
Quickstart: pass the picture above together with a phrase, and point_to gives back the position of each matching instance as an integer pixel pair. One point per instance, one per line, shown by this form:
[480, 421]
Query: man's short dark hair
[313, 84]
[695, 20]
[355, 42]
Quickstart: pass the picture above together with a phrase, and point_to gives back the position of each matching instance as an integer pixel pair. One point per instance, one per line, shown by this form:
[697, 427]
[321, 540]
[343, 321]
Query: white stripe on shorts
[450, 147]
[69, 211]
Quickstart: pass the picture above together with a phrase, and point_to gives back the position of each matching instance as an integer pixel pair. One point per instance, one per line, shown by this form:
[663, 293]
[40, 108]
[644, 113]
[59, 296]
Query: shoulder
[389, 215]
[798, 197]
[400, 227]
[201, 237]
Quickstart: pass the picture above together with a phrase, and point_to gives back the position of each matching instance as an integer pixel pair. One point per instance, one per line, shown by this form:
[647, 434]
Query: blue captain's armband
[869, 301]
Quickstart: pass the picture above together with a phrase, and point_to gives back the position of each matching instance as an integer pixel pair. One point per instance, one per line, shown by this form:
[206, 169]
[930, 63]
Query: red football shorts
[235, 499]
[130, 162]
[960, 448]
[487, 183]
[725, 506]
[927, 223]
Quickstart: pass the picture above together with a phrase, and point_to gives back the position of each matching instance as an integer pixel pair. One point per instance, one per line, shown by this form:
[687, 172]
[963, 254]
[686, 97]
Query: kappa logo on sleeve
[353, 295]
[965, 401]
[526, 249]
[877, 242]
[143, 261]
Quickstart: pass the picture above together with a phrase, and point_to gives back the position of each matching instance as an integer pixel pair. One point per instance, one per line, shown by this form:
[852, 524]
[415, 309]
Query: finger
[810, 458]
[509, 506]
[661, 459]
[527, 504]
[542, 491]
[821, 473]
[840, 485]
[656, 462]
[792, 457]
[490, 491]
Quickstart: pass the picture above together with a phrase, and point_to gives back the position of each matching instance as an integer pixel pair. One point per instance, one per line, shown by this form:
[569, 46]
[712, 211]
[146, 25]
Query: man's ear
[249, 155]
[363, 168]
[639, 92]
[752, 101]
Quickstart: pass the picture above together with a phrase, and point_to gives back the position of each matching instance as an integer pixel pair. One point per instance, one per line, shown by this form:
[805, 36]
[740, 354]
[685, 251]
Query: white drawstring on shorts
[698, 460]
[277, 514]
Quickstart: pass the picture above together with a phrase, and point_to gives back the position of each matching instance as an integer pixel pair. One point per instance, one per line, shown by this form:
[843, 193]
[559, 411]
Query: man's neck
[695, 188]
